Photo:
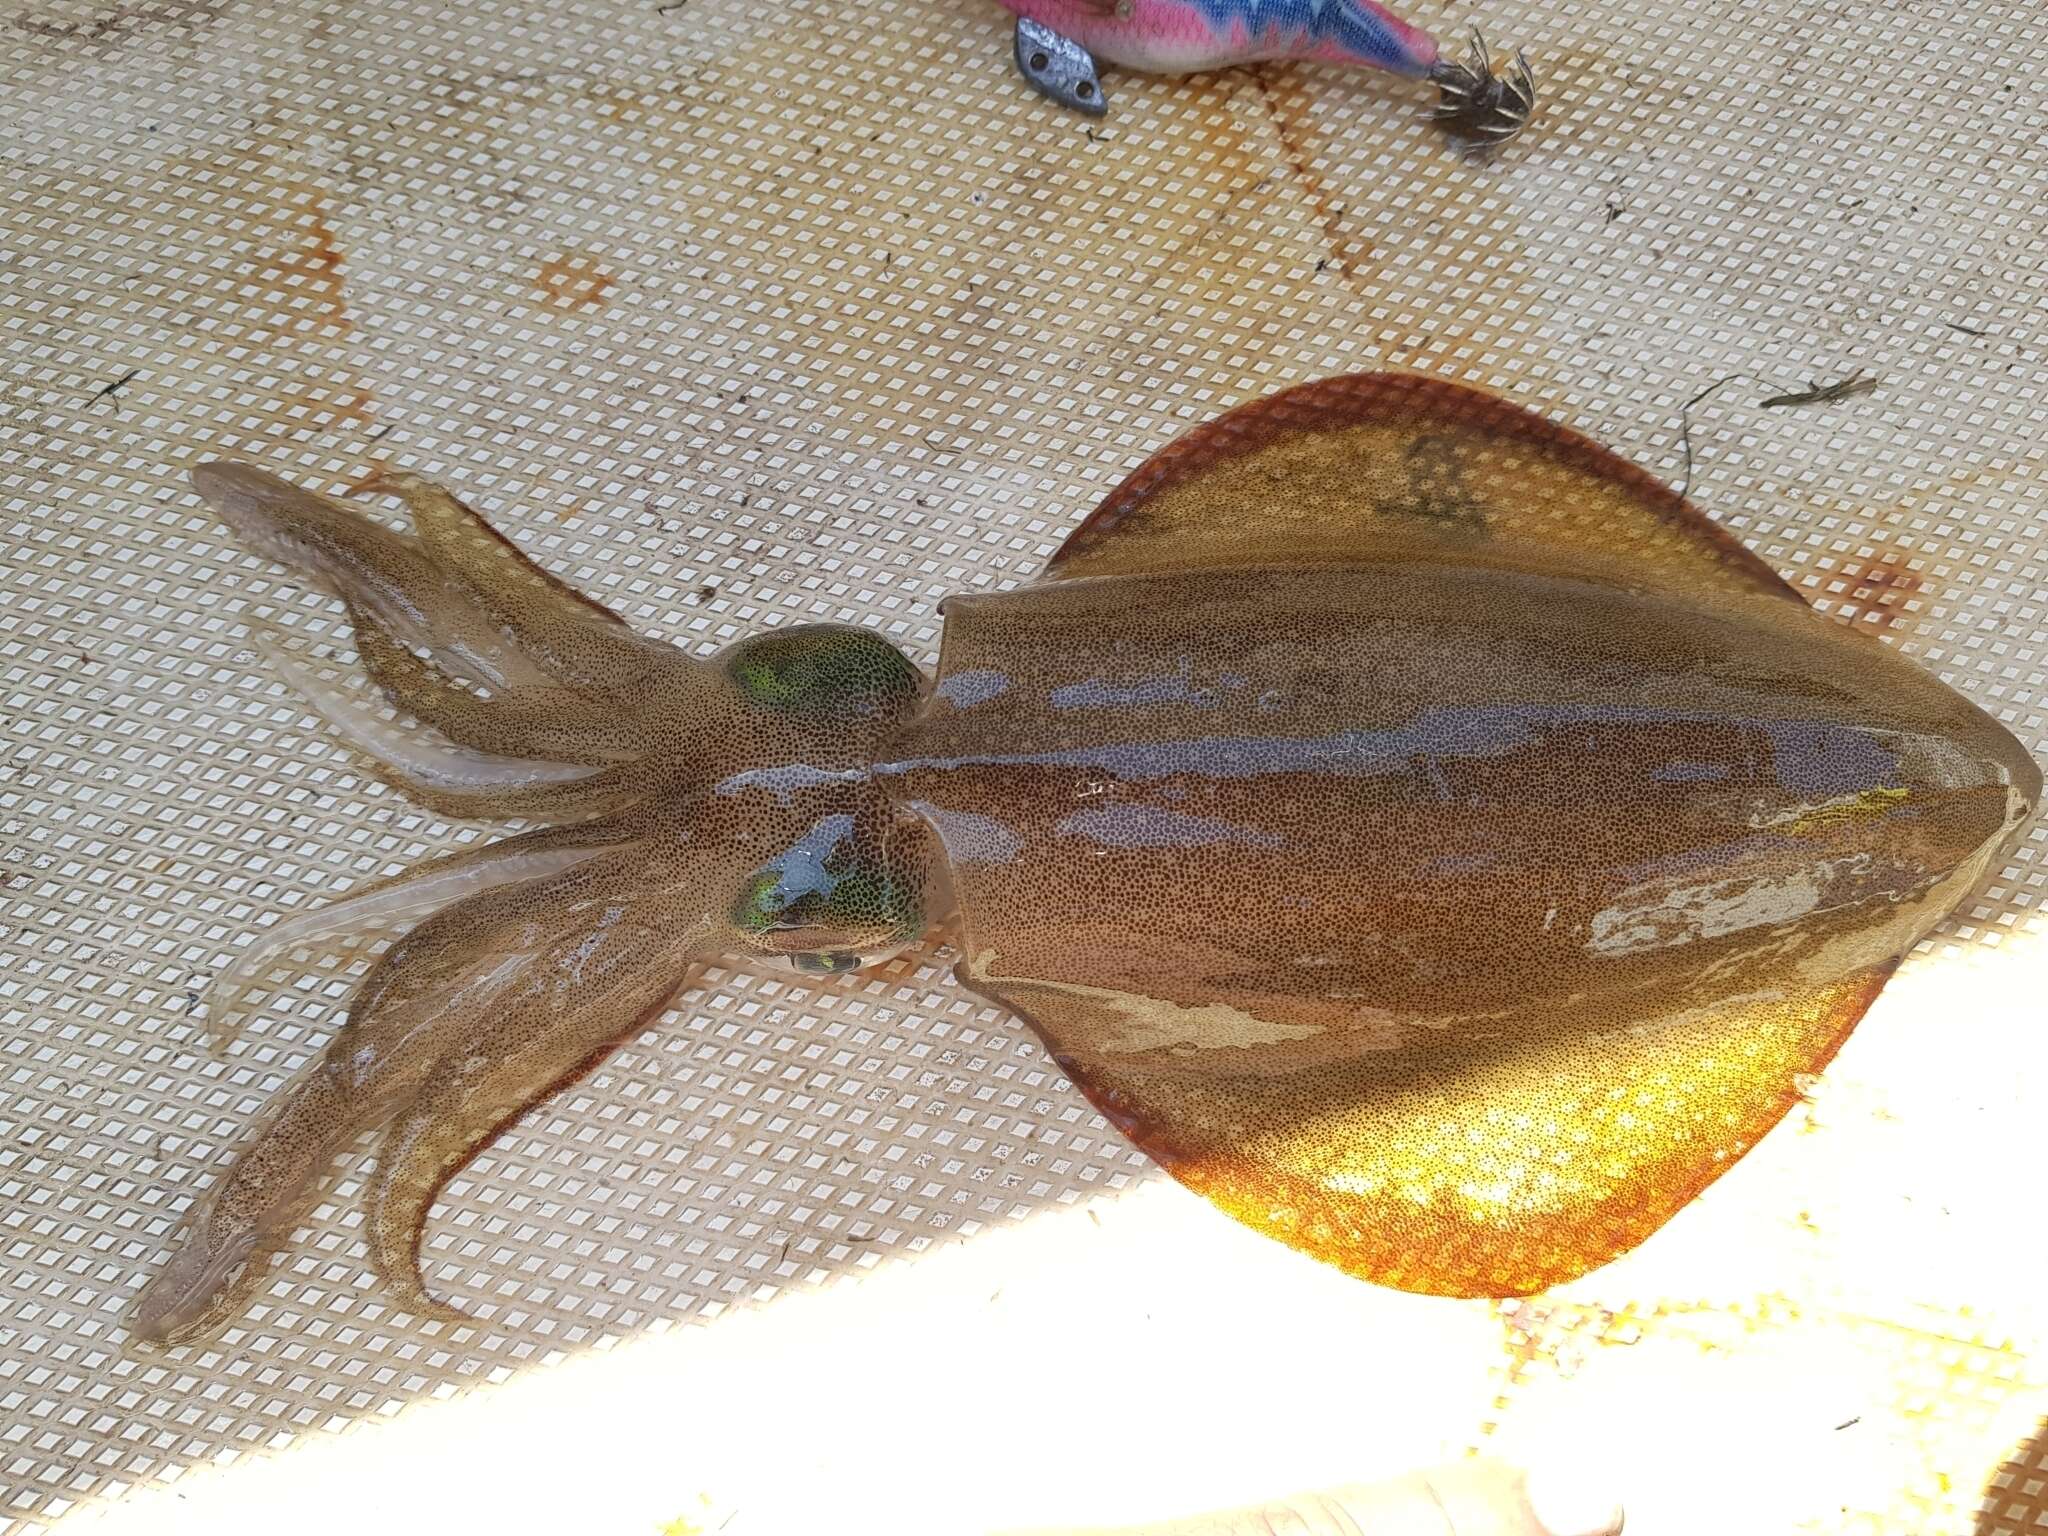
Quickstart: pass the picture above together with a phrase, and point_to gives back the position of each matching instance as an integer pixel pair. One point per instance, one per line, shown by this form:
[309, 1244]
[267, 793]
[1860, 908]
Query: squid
[1423, 833]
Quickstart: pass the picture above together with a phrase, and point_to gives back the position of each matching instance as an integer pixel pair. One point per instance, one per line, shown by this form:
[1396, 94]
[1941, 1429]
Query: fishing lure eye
[833, 671]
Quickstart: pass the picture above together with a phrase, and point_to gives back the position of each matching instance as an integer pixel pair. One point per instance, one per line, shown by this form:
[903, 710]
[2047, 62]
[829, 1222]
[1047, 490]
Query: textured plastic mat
[741, 314]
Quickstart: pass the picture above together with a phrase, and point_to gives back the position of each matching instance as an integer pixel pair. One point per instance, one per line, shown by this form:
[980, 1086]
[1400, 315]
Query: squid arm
[530, 959]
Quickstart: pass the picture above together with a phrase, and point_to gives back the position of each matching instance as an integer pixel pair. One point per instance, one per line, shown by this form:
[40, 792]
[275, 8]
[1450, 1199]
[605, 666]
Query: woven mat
[738, 314]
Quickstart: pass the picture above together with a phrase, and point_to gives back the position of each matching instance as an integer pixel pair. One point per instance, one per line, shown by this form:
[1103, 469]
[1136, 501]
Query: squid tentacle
[558, 956]
[406, 897]
[478, 1090]
[224, 1246]
[467, 951]
[575, 637]
[563, 675]
[607, 790]
[459, 539]
[449, 768]
[526, 961]
[368, 565]
[452, 779]
[556, 724]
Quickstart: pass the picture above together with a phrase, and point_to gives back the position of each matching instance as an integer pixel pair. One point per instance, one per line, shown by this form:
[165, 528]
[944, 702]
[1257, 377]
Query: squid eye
[825, 962]
[866, 902]
[825, 669]
[837, 887]
[765, 906]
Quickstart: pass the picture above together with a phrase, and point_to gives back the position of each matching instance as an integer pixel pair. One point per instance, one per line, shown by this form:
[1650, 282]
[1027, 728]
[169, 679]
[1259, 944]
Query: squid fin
[1390, 466]
[1494, 1166]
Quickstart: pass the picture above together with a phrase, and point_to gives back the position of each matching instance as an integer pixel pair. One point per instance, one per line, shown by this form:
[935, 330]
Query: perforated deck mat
[736, 315]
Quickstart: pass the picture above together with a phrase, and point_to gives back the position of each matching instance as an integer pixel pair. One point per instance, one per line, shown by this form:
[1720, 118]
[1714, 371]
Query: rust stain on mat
[308, 285]
[572, 282]
[1877, 592]
[115, 26]
[1285, 101]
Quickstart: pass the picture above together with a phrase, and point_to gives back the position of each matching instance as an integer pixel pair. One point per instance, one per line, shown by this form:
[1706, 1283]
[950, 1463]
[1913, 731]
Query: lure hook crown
[1481, 102]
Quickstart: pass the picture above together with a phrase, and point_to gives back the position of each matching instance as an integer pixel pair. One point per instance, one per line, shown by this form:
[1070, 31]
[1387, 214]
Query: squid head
[688, 809]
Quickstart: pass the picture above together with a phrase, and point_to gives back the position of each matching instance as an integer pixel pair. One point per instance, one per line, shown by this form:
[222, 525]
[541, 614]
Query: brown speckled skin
[1430, 837]
[1455, 926]
[1418, 829]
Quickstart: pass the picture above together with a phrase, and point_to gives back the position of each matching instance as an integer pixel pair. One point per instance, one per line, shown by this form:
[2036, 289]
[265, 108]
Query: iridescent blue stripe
[1356, 28]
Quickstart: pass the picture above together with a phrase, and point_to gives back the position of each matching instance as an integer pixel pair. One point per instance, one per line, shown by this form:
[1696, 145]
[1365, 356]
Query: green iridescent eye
[762, 906]
[825, 963]
[866, 901]
[824, 669]
[830, 882]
